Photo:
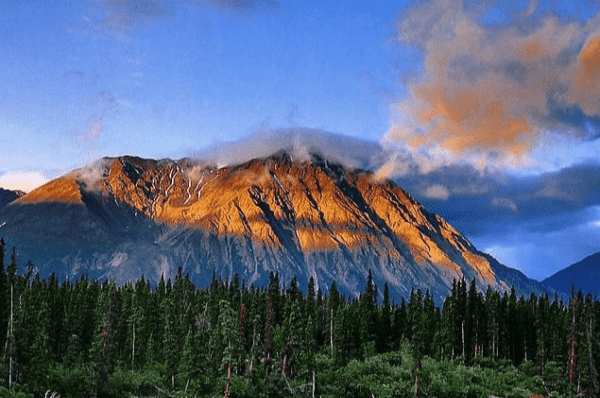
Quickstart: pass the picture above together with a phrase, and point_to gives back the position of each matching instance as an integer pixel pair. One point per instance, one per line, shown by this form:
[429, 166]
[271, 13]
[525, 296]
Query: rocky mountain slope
[124, 218]
[584, 275]
[7, 196]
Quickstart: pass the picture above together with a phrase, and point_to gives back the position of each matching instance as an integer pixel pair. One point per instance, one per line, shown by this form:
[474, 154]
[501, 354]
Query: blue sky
[82, 81]
[482, 105]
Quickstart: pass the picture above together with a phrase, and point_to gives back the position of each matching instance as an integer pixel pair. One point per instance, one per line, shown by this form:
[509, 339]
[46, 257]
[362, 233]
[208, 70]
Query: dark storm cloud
[497, 203]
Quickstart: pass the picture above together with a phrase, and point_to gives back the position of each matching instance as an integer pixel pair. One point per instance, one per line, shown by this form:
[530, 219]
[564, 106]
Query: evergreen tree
[11, 270]
[332, 308]
[428, 323]
[472, 316]
[294, 340]
[514, 333]
[32, 342]
[415, 313]
[104, 344]
[399, 324]
[188, 364]
[269, 333]
[4, 297]
[575, 305]
[492, 303]
[368, 317]
[229, 337]
[343, 336]
[588, 349]
[384, 329]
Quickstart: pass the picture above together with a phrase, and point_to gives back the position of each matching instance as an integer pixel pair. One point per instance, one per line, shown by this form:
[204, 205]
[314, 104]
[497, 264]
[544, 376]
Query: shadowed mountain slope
[584, 275]
[7, 196]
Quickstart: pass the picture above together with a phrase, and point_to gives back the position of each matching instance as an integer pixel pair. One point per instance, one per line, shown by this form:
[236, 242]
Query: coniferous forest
[93, 339]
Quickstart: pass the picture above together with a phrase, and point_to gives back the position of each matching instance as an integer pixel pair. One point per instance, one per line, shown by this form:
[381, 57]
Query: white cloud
[22, 180]
[504, 202]
[437, 191]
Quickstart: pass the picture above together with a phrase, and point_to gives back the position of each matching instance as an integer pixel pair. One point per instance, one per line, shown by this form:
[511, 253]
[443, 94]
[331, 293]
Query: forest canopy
[92, 338]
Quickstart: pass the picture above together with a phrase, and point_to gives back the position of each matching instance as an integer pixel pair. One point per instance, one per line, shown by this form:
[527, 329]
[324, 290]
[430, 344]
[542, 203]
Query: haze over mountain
[295, 212]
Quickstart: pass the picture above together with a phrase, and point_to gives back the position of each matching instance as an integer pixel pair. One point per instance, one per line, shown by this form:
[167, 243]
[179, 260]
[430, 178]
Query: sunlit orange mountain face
[126, 218]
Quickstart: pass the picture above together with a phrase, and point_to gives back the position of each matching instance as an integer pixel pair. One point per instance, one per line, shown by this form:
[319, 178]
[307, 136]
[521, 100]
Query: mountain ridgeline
[125, 218]
[582, 275]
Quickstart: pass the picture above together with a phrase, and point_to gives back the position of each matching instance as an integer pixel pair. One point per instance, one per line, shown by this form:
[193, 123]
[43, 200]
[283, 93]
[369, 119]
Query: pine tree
[342, 332]
[170, 344]
[415, 313]
[574, 313]
[104, 343]
[308, 345]
[269, 333]
[11, 270]
[256, 350]
[9, 347]
[189, 361]
[399, 324]
[429, 322]
[471, 321]
[543, 328]
[32, 344]
[228, 331]
[368, 317]
[332, 308]
[589, 350]
[384, 329]
[310, 307]
[293, 340]
[138, 325]
[4, 295]
[513, 329]
[492, 302]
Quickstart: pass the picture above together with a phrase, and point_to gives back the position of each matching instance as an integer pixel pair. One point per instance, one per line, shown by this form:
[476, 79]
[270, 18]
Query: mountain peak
[303, 216]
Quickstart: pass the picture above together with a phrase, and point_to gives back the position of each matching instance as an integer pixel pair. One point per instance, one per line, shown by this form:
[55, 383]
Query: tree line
[91, 338]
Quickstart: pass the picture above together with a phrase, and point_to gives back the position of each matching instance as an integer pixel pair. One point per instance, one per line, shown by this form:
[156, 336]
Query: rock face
[7, 196]
[124, 218]
[584, 275]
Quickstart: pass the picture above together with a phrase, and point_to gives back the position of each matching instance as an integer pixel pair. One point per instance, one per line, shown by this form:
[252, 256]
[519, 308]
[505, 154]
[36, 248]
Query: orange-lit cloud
[587, 78]
[495, 93]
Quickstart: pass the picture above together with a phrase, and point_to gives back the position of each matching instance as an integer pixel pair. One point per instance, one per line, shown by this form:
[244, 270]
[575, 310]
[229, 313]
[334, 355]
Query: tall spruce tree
[4, 296]
[228, 332]
[384, 328]
[368, 317]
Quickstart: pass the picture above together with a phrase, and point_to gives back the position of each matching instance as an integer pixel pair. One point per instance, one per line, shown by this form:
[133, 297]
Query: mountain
[297, 214]
[584, 275]
[7, 196]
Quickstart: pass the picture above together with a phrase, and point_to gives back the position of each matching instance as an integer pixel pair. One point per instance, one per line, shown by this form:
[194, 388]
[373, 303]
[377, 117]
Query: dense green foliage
[98, 339]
